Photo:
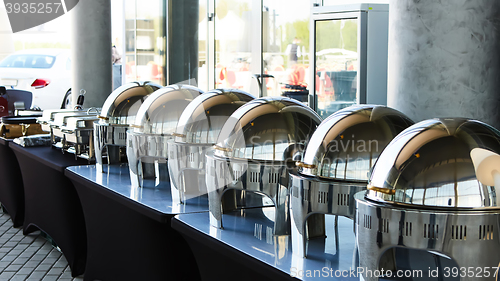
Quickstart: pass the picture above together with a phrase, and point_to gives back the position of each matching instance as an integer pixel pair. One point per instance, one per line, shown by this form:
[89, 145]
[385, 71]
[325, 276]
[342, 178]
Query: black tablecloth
[128, 229]
[51, 202]
[11, 184]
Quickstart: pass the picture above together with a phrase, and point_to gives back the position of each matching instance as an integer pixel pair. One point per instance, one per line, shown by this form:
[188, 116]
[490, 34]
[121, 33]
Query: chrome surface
[265, 128]
[147, 139]
[83, 122]
[347, 144]
[468, 239]
[250, 232]
[122, 104]
[116, 179]
[336, 164]
[72, 131]
[429, 165]
[197, 131]
[254, 149]
[48, 116]
[425, 194]
[118, 112]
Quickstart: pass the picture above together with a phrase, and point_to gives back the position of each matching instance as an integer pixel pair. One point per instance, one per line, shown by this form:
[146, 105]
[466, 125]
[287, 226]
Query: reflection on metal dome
[430, 165]
[196, 133]
[118, 112]
[433, 189]
[122, 104]
[266, 129]
[346, 145]
[254, 149]
[156, 121]
[336, 164]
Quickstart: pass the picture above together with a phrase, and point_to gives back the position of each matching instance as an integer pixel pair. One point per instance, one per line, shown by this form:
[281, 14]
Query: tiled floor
[29, 257]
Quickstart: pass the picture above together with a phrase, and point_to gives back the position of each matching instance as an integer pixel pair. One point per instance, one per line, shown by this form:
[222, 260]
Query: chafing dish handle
[80, 100]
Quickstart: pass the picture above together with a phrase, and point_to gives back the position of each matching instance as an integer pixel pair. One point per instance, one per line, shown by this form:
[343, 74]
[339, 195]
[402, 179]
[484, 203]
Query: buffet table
[128, 228]
[249, 251]
[51, 201]
[11, 190]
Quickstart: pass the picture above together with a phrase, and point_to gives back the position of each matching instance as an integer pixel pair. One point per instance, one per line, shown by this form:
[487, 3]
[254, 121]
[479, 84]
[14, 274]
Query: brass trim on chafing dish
[388, 191]
[102, 117]
[225, 149]
[304, 165]
[178, 135]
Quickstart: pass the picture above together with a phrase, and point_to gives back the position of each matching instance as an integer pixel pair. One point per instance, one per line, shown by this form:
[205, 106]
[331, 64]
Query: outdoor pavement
[29, 257]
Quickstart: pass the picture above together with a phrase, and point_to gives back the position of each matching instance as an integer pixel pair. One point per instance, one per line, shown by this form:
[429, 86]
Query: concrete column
[444, 59]
[91, 51]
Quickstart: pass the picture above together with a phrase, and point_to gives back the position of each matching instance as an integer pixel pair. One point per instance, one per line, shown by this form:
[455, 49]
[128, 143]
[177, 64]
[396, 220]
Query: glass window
[233, 44]
[286, 45]
[145, 41]
[230, 54]
[202, 46]
[337, 64]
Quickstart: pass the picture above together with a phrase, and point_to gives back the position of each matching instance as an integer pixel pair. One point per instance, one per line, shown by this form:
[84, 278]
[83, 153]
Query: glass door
[336, 64]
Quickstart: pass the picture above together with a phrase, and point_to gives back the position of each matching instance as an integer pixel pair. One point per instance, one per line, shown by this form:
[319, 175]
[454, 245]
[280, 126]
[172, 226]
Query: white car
[44, 72]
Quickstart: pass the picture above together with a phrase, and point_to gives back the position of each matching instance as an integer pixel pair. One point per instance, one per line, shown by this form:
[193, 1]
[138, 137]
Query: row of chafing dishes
[430, 185]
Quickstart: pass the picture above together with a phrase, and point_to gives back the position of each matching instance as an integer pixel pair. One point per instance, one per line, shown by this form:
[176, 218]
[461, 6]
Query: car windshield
[28, 61]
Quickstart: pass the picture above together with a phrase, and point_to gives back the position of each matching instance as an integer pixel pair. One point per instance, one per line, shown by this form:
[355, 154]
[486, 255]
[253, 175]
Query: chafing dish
[424, 194]
[154, 126]
[77, 136]
[118, 112]
[48, 116]
[336, 165]
[72, 131]
[196, 133]
[257, 145]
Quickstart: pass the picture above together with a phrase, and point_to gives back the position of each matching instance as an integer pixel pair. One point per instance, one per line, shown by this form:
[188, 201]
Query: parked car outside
[44, 72]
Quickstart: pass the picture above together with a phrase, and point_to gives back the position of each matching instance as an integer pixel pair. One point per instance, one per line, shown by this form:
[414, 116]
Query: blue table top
[251, 232]
[116, 180]
[48, 156]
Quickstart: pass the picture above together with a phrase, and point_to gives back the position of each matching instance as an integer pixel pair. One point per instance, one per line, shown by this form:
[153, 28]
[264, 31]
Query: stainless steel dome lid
[346, 145]
[122, 104]
[202, 120]
[161, 111]
[429, 165]
[269, 128]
